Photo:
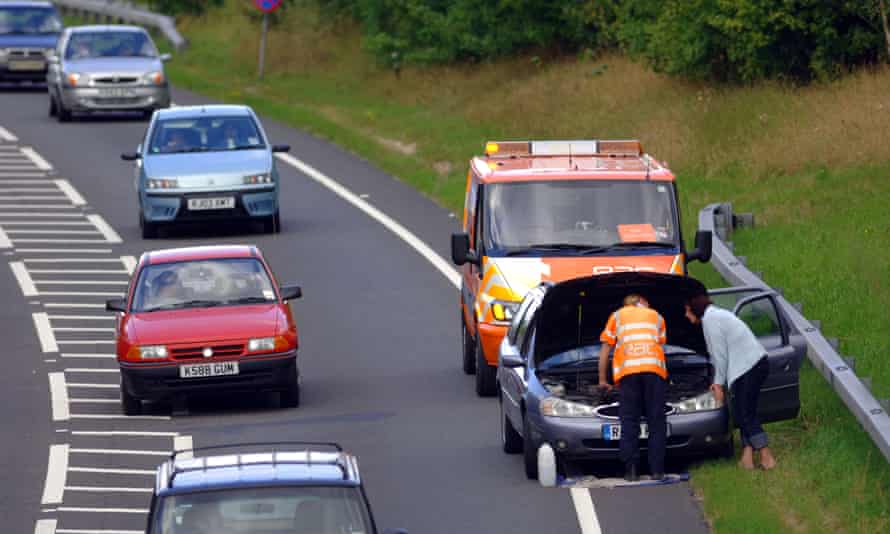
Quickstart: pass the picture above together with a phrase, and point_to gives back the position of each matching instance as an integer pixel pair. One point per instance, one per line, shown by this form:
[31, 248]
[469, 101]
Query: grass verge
[811, 163]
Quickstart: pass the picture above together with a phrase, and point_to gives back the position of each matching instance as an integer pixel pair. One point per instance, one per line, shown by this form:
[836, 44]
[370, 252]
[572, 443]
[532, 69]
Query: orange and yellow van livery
[548, 211]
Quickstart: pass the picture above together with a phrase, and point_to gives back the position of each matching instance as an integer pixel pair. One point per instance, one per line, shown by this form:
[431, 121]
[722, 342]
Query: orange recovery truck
[539, 211]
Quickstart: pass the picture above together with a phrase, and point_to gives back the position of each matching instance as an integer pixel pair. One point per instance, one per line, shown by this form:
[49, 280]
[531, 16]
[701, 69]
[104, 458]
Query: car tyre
[272, 225]
[529, 453]
[469, 348]
[130, 404]
[146, 114]
[510, 438]
[290, 397]
[486, 375]
[62, 113]
[53, 108]
[149, 229]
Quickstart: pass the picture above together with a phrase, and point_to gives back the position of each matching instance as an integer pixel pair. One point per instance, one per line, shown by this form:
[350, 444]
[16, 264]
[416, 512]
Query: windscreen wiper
[641, 244]
[249, 300]
[247, 147]
[574, 247]
[186, 304]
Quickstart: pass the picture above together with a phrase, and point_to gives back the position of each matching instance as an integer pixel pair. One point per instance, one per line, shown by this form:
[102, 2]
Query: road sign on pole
[266, 6]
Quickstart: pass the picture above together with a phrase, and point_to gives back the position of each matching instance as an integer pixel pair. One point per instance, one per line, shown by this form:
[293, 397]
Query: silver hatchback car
[106, 68]
[205, 163]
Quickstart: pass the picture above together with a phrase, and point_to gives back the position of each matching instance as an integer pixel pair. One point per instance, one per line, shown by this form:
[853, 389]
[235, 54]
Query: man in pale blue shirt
[740, 361]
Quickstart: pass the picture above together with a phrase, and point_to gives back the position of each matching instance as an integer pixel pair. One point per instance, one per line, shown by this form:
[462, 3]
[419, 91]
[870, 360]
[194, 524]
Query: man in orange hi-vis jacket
[640, 372]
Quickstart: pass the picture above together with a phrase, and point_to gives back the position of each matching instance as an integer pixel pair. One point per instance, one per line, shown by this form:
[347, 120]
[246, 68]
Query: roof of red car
[213, 252]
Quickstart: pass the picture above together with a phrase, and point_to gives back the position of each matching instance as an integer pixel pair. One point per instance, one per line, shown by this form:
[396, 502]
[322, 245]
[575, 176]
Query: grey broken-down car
[548, 376]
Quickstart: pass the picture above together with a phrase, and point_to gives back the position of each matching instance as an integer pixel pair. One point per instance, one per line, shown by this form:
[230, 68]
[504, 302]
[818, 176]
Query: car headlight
[153, 78]
[268, 344]
[556, 407]
[503, 310]
[263, 178]
[152, 352]
[699, 403]
[161, 183]
[75, 78]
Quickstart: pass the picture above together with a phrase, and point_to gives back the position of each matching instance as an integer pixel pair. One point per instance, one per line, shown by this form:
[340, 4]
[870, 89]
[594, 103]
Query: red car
[205, 319]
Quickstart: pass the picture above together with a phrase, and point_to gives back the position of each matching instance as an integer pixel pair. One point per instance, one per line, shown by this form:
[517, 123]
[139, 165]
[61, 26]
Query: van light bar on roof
[592, 147]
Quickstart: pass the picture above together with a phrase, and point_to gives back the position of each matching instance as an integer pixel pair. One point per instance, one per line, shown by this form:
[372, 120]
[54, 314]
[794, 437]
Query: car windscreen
[202, 283]
[588, 213]
[28, 20]
[280, 510]
[205, 134]
[108, 44]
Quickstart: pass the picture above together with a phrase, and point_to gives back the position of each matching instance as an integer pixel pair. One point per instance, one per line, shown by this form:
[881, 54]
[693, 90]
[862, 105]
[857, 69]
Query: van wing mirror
[130, 156]
[512, 360]
[290, 292]
[703, 245]
[460, 249]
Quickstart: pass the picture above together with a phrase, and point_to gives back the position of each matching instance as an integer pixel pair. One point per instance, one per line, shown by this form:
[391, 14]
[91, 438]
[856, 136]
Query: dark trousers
[642, 394]
[745, 393]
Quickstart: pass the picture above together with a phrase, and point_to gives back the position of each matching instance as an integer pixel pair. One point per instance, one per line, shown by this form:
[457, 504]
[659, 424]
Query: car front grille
[26, 53]
[115, 80]
[197, 352]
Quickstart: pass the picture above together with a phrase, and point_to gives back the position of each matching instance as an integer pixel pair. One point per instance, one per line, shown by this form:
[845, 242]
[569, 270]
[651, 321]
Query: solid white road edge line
[72, 194]
[56, 473]
[45, 332]
[58, 392]
[23, 278]
[586, 513]
[403, 233]
[183, 443]
[7, 136]
[129, 452]
[104, 228]
[38, 160]
[104, 510]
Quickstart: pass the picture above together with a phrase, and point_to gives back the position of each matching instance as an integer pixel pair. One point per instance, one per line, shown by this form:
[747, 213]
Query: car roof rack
[334, 456]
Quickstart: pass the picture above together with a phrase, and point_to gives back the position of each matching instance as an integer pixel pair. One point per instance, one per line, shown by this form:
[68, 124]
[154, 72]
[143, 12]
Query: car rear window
[221, 282]
[277, 510]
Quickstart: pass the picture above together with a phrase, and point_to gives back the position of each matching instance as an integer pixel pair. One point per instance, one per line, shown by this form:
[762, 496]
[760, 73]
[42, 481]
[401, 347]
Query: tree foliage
[724, 40]
[176, 7]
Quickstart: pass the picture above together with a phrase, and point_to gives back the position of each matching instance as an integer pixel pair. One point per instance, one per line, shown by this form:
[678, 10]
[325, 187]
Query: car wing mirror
[290, 292]
[165, 57]
[460, 250]
[116, 305]
[703, 245]
[512, 360]
[131, 156]
[280, 148]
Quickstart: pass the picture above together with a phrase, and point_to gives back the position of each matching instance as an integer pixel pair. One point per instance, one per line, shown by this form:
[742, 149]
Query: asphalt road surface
[380, 348]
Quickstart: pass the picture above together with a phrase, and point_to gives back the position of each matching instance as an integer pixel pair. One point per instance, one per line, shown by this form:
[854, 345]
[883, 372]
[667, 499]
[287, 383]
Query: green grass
[811, 163]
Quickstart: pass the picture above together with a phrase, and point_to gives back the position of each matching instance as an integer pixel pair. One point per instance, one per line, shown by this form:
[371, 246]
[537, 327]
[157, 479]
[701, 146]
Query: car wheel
[53, 109]
[62, 113]
[149, 229]
[290, 397]
[486, 375]
[130, 404]
[510, 438]
[272, 225]
[147, 113]
[469, 348]
[529, 453]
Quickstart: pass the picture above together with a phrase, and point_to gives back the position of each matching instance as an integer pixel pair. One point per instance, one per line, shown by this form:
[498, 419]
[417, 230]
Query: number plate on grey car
[214, 203]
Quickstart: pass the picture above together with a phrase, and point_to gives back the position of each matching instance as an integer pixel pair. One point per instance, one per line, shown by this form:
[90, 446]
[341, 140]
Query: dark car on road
[277, 488]
[548, 376]
[29, 31]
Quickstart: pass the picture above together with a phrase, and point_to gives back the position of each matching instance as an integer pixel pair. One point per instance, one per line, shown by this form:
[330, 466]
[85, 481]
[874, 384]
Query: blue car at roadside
[206, 163]
[29, 32]
[271, 488]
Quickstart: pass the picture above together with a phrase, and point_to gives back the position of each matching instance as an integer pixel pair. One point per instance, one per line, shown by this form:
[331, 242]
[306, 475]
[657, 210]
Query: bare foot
[767, 460]
[747, 459]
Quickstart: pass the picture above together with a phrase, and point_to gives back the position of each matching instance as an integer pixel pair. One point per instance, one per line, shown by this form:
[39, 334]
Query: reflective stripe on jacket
[637, 333]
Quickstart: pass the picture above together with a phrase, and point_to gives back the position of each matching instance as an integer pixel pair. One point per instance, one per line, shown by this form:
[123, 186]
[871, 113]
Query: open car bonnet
[573, 313]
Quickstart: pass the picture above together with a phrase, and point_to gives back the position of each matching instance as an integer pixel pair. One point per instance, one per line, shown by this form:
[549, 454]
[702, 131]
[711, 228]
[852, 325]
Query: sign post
[266, 6]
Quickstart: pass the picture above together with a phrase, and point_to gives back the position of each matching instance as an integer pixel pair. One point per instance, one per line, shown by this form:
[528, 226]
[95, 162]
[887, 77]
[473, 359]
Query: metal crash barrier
[121, 12]
[821, 351]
